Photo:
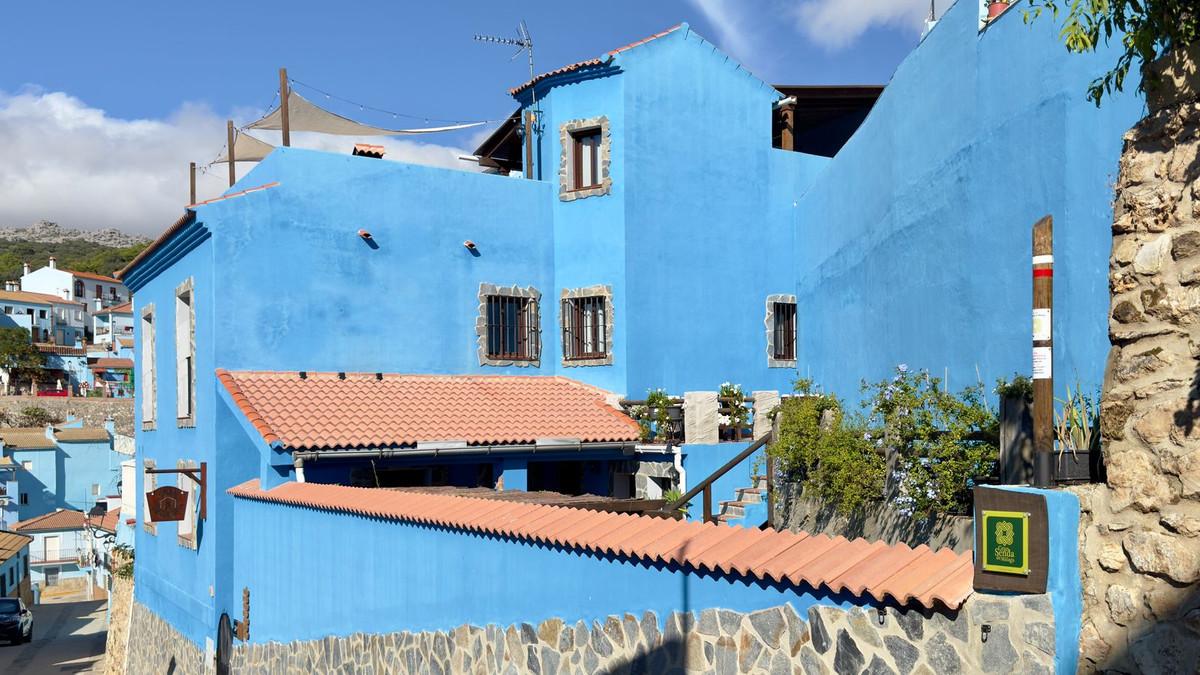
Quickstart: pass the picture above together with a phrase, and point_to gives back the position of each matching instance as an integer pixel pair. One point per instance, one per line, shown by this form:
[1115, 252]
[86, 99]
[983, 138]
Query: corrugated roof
[861, 568]
[24, 437]
[322, 410]
[11, 544]
[589, 63]
[83, 434]
[107, 522]
[65, 519]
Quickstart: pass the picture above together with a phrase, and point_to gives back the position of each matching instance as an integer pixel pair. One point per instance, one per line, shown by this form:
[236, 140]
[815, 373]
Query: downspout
[298, 462]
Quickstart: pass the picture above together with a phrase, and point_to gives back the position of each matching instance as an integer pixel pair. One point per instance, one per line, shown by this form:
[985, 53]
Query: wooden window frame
[570, 137]
[577, 145]
[574, 307]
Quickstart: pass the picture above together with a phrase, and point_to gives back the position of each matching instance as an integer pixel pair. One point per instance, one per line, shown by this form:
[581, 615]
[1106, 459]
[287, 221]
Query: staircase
[750, 507]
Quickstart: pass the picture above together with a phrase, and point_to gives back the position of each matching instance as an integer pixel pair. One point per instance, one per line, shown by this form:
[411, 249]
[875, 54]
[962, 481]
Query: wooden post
[192, 181]
[770, 496]
[708, 503]
[284, 123]
[529, 144]
[1043, 352]
[232, 159]
[787, 113]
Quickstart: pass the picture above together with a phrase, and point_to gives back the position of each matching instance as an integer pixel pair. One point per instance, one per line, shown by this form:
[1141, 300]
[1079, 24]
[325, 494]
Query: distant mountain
[46, 232]
[97, 251]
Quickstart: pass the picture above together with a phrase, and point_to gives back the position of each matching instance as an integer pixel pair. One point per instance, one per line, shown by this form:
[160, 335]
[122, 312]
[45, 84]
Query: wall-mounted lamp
[469, 244]
[366, 237]
[364, 234]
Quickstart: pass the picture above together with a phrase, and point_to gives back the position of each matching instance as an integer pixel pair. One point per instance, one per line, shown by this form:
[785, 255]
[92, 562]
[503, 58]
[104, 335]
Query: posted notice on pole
[1041, 324]
[1043, 358]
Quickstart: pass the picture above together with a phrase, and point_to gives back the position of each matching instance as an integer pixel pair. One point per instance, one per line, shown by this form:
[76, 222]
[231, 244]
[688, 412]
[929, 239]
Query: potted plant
[735, 415]
[996, 8]
[1016, 429]
[1077, 431]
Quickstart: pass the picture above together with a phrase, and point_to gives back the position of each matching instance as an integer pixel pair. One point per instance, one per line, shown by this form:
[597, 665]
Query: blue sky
[129, 92]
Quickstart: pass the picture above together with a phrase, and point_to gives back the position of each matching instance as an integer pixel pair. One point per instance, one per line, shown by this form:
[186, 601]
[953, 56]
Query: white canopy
[303, 115]
[247, 148]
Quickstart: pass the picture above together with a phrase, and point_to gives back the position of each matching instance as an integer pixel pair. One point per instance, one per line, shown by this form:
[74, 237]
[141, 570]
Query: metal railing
[674, 427]
[64, 554]
[705, 486]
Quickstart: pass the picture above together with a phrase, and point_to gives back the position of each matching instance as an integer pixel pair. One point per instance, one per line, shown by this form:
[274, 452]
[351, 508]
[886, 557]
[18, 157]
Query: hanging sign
[167, 503]
[1005, 542]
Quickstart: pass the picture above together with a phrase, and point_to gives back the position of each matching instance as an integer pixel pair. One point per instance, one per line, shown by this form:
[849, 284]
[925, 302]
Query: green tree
[18, 356]
[1147, 29]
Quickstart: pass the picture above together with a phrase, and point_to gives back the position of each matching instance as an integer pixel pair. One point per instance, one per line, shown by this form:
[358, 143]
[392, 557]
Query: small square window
[24, 499]
[512, 328]
[585, 154]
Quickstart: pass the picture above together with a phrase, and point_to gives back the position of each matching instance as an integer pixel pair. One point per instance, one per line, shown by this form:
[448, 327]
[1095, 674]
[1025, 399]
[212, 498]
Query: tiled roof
[107, 522]
[27, 297]
[93, 275]
[125, 342]
[11, 544]
[107, 362]
[123, 308]
[322, 410]
[858, 567]
[61, 350]
[66, 519]
[589, 63]
[24, 437]
[83, 434]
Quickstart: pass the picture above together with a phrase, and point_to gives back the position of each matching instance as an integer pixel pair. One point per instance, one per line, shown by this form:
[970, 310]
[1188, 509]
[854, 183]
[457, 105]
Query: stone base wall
[120, 601]
[158, 648]
[876, 522]
[776, 640]
[93, 411]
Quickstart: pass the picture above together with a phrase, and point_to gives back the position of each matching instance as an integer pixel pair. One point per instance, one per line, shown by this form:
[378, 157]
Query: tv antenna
[524, 43]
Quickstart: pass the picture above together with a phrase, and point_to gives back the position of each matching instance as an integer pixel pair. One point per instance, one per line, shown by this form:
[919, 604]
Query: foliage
[1077, 427]
[1147, 29]
[1019, 387]
[943, 441]
[674, 495]
[76, 255]
[123, 559]
[18, 355]
[653, 417]
[834, 460]
[35, 416]
[735, 401]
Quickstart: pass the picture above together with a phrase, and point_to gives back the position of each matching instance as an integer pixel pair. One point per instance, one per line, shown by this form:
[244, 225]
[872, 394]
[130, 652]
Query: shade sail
[303, 115]
[246, 148]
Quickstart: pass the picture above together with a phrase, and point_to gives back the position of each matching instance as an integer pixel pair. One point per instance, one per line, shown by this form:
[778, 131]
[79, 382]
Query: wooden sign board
[1012, 541]
[167, 503]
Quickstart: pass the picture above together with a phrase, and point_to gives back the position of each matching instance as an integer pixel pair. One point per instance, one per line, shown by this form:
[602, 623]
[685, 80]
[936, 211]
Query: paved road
[68, 637]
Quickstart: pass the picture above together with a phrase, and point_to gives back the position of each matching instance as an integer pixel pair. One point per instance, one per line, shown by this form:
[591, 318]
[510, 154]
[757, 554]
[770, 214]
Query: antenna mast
[524, 43]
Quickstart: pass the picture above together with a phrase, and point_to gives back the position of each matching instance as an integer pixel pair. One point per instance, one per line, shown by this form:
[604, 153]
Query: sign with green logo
[1006, 542]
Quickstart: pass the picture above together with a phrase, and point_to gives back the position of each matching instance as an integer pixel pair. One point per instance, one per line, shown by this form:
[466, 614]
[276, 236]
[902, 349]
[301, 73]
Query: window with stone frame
[586, 322]
[586, 154]
[146, 360]
[509, 327]
[185, 355]
[781, 331]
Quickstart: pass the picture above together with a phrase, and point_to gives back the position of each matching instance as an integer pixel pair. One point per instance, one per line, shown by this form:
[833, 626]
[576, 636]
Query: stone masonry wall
[1140, 533]
[120, 604]
[93, 411]
[776, 641]
[157, 648]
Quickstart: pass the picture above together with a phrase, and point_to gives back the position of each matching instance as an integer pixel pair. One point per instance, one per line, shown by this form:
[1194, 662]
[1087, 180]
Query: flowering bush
[734, 400]
[940, 442]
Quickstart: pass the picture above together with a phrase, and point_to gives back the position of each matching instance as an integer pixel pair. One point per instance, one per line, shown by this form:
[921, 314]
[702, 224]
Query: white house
[47, 318]
[111, 324]
[97, 291]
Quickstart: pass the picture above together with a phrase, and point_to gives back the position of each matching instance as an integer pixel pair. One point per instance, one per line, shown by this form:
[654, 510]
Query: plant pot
[995, 9]
[1074, 467]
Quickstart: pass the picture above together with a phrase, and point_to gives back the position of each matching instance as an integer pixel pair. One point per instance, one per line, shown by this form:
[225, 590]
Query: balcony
[65, 555]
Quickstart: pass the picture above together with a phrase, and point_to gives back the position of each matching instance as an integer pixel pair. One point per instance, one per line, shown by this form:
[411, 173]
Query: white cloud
[734, 33]
[836, 24]
[66, 161]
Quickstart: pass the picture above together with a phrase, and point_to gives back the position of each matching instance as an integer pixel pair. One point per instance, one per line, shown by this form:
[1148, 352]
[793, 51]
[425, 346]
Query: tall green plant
[1077, 423]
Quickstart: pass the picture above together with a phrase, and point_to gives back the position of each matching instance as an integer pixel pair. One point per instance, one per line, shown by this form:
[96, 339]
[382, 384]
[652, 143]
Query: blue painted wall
[411, 577]
[62, 477]
[913, 246]
[701, 461]
[13, 571]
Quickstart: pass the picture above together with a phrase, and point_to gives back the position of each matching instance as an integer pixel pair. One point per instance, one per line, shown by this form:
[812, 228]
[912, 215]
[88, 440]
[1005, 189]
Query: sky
[102, 105]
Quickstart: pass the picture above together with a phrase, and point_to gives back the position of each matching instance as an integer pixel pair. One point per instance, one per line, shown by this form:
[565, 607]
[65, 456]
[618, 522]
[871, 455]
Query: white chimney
[99, 304]
[24, 268]
[66, 293]
[53, 263]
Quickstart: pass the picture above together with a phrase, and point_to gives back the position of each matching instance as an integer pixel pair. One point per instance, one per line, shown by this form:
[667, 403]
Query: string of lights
[383, 111]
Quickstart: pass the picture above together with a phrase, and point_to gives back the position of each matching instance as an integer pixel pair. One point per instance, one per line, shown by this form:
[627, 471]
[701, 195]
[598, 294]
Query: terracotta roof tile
[61, 350]
[107, 522]
[868, 570]
[123, 308]
[108, 362]
[93, 276]
[23, 437]
[65, 519]
[325, 411]
[11, 544]
[82, 434]
[589, 63]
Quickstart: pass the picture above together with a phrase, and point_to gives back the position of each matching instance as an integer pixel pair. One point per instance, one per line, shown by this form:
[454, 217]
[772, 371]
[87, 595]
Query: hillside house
[65, 467]
[94, 292]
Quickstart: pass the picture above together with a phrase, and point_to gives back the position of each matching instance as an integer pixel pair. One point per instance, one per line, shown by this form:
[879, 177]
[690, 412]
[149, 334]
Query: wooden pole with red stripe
[1043, 352]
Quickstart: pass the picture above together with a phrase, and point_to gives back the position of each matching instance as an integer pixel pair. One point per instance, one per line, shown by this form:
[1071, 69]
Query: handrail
[705, 485]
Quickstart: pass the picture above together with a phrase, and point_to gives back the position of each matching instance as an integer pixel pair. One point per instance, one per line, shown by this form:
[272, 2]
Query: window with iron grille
[785, 331]
[513, 328]
[585, 327]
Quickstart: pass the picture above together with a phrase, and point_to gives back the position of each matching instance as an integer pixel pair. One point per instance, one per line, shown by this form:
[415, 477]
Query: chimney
[53, 263]
[24, 268]
[99, 304]
[66, 293]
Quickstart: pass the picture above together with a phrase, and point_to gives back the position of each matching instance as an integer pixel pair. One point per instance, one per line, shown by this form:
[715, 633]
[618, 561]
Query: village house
[94, 292]
[48, 318]
[670, 222]
[58, 554]
[14, 566]
[65, 467]
[111, 324]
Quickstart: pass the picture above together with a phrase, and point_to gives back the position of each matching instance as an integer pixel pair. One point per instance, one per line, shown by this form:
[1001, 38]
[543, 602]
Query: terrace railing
[705, 486]
[673, 433]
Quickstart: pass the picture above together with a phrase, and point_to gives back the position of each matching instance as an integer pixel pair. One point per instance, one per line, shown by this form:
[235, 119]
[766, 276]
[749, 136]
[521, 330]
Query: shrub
[1020, 387]
[35, 416]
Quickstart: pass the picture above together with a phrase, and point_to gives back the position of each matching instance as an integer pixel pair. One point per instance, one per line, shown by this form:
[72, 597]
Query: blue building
[14, 566]
[679, 224]
[60, 550]
[67, 467]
